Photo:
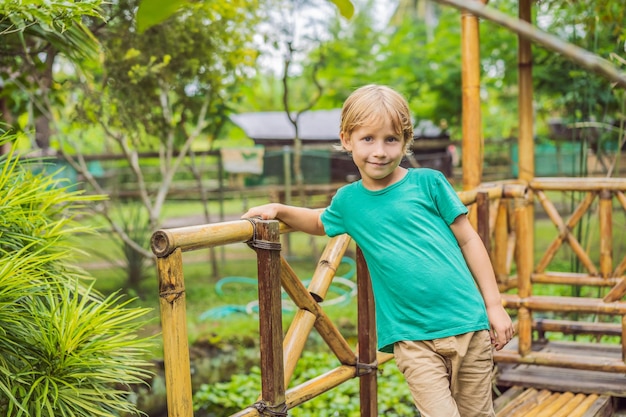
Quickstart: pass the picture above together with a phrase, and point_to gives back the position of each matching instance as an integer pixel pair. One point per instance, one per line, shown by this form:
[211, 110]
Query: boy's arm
[478, 261]
[300, 218]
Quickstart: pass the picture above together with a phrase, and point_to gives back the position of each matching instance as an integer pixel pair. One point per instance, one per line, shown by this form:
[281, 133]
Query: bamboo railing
[279, 355]
[604, 272]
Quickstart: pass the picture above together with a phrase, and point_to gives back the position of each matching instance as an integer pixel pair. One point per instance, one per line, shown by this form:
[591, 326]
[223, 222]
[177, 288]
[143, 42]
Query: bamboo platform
[546, 391]
[526, 402]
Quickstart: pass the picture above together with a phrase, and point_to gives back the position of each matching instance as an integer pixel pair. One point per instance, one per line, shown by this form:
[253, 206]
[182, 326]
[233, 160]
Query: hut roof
[274, 128]
[316, 126]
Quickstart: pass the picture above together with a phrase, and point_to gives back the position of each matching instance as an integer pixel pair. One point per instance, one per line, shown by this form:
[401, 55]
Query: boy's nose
[379, 149]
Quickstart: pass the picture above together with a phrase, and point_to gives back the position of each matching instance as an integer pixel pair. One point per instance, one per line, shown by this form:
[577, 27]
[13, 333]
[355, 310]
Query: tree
[160, 91]
[35, 37]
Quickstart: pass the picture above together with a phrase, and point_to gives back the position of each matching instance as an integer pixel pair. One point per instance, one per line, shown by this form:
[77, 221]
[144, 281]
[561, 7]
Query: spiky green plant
[65, 350]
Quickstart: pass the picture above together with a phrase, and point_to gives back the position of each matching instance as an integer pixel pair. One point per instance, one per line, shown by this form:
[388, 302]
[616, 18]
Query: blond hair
[372, 103]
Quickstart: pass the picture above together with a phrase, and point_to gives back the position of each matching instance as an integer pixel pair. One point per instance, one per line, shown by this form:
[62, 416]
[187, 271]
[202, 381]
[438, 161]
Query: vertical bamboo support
[267, 246]
[606, 233]
[501, 238]
[175, 343]
[526, 144]
[526, 149]
[472, 142]
[482, 204]
[367, 338]
[624, 338]
[524, 273]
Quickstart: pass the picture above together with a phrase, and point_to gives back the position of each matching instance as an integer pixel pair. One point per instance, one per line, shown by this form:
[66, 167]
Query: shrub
[65, 350]
[242, 390]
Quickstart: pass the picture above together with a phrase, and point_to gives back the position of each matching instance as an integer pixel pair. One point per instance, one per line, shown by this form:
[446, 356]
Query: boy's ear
[345, 141]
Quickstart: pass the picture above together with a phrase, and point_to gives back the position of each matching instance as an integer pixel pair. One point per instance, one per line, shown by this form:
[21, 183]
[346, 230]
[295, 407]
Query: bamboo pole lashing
[175, 342]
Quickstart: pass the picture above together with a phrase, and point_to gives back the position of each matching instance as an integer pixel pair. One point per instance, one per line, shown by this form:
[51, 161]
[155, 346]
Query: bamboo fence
[601, 198]
[279, 354]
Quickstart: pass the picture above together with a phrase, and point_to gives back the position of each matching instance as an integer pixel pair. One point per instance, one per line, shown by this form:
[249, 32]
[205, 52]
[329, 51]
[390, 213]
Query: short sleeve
[446, 199]
[332, 219]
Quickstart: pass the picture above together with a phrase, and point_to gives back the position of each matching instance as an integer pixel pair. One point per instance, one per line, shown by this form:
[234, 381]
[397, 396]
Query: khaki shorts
[449, 377]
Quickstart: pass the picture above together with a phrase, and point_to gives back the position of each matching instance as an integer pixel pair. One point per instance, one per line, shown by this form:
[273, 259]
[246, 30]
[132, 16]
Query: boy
[438, 307]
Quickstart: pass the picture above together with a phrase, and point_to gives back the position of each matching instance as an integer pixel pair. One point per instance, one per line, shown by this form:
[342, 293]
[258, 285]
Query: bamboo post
[367, 340]
[175, 343]
[472, 141]
[606, 233]
[501, 237]
[267, 245]
[524, 272]
[624, 338]
[526, 146]
[482, 213]
[525, 139]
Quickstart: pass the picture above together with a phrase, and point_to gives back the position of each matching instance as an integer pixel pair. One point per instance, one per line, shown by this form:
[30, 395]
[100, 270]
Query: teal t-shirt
[423, 289]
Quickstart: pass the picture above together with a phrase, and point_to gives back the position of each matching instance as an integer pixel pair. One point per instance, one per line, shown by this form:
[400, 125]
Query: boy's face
[377, 151]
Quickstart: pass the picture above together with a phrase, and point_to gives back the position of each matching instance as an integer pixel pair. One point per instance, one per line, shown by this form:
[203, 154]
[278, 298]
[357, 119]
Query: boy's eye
[392, 139]
[367, 138]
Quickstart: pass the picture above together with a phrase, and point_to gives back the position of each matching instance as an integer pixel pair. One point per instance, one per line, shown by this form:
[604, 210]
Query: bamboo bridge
[535, 376]
[533, 372]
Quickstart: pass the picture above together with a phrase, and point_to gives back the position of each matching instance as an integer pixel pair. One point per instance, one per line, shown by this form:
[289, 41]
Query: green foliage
[242, 390]
[65, 350]
[153, 12]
